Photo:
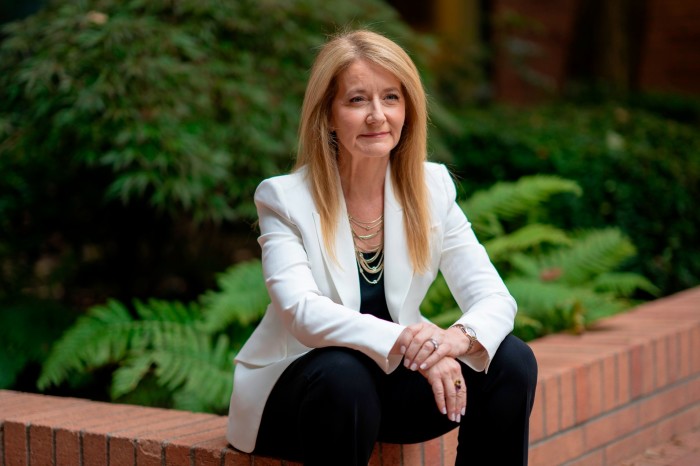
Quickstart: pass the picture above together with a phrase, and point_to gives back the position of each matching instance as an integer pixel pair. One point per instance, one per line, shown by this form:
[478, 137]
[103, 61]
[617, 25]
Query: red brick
[412, 454]
[695, 349]
[588, 386]
[449, 447]
[595, 458]
[685, 358]
[537, 416]
[234, 457]
[376, 458]
[123, 442]
[624, 377]
[432, 452]
[149, 448]
[68, 433]
[609, 382]
[210, 452]
[15, 441]
[550, 400]
[265, 461]
[636, 369]
[673, 359]
[40, 445]
[95, 440]
[618, 424]
[662, 404]
[567, 403]
[558, 450]
[391, 454]
[177, 450]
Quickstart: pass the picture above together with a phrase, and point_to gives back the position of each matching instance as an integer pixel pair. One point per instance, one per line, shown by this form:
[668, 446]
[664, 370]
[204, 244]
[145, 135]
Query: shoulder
[439, 180]
[281, 191]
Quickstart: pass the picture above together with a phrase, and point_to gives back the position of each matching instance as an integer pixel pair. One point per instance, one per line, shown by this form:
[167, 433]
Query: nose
[376, 114]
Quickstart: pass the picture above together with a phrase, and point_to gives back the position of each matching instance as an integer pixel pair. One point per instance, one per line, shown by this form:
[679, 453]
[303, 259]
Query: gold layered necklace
[374, 264]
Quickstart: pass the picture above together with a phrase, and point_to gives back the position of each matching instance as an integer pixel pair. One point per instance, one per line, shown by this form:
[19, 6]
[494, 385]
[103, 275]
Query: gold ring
[458, 385]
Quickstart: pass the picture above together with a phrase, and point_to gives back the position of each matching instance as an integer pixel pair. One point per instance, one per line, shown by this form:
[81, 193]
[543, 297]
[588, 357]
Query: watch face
[471, 332]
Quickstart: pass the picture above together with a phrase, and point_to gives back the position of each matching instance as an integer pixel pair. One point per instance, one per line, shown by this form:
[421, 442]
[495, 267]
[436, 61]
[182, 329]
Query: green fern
[593, 253]
[507, 201]
[179, 352]
[561, 281]
[96, 339]
[528, 237]
[241, 298]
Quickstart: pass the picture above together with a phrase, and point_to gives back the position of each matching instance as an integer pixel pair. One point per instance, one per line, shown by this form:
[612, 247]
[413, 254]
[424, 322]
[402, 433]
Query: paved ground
[682, 450]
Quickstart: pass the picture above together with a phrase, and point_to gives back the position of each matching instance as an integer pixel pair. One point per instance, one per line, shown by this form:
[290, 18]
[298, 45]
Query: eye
[357, 99]
[392, 97]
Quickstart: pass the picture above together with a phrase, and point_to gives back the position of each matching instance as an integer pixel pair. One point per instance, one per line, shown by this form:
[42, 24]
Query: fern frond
[201, 369]
[559, 306]
[623, 284]
[242, 297]
[108, 334]
[127, 377]
[509, 200]
[527, 237]
[591, 254]
[99, 337]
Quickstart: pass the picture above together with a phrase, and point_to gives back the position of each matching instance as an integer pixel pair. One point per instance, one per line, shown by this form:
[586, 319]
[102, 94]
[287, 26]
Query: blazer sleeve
[483, 298]
[312, 318]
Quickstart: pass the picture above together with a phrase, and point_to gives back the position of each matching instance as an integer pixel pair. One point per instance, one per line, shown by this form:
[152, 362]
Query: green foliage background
[132, 136]
[637, 161]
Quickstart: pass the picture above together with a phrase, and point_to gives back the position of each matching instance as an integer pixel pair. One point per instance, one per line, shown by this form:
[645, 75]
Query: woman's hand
[449, 387]
[430, 344]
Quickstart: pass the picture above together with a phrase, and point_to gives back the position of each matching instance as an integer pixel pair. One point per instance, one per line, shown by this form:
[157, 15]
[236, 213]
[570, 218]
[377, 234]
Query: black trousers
[332, 404]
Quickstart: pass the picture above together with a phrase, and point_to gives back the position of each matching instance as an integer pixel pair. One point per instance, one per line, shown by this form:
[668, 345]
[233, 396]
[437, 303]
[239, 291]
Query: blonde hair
[317, 149]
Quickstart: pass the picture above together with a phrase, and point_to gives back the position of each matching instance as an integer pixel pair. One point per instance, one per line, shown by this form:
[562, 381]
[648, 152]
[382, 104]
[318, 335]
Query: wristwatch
[469, 333]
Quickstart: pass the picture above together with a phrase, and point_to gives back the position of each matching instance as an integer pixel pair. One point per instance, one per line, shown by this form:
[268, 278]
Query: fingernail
[464, 411]
[444, 410]
[405, 363]
[453, 417]
[414, 367]
[459, 418]
[403, 350]
[423, 366]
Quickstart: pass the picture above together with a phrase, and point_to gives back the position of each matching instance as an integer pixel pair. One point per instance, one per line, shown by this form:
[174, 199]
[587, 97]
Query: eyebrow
[361, 90]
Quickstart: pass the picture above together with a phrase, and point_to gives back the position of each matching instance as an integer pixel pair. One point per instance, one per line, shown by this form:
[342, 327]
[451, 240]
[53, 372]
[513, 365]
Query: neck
[363, 185]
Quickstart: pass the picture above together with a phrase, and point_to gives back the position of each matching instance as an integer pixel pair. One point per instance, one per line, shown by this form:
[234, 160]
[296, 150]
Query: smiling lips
[375, 135]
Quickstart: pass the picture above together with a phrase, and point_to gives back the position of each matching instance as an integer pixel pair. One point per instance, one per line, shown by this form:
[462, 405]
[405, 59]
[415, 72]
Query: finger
[439, 394]
[453, 411]
[418, 344]
[405, 339]
[430, 346]
[433, 358]
[462, 398]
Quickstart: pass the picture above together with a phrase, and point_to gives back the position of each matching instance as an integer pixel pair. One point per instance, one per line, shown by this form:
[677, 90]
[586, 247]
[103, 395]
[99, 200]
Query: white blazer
[315, 300]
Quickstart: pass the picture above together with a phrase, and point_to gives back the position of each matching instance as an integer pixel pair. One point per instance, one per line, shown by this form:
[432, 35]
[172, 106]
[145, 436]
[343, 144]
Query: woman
[351, 241]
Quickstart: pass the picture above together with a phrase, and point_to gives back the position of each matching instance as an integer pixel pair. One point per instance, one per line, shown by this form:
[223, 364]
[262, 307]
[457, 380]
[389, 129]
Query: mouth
[375, 135]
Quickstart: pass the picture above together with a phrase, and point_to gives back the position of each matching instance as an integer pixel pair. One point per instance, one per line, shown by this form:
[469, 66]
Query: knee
[516, 362]
[343, 376]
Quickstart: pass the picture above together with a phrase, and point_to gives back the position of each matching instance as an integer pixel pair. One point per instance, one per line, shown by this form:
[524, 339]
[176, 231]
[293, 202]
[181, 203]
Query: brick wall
[631, 382]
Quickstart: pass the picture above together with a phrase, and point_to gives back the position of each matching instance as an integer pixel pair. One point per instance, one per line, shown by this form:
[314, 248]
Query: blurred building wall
[542, 48]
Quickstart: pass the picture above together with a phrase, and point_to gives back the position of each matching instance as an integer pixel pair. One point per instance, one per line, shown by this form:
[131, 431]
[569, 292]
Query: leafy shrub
[133, 133]
[640, 172]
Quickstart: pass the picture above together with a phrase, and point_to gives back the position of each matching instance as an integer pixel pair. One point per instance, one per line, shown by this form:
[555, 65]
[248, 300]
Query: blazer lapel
[398, 270]
[343, 269]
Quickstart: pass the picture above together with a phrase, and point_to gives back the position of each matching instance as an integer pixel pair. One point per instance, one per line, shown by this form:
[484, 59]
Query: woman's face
[368, 111]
